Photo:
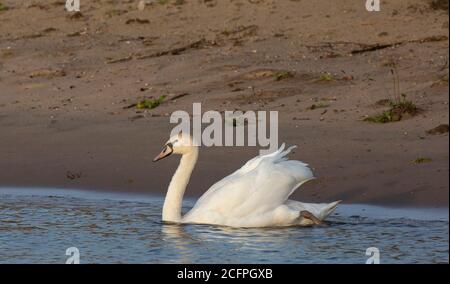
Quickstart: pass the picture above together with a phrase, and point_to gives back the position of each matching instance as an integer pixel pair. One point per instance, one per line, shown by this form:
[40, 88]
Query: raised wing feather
[262, 184]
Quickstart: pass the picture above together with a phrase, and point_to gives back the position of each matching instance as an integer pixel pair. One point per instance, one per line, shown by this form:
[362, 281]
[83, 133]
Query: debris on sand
[74, 34]
[277, 75]
[115, 12]
[281, 75]
[48, 73]
[49, 30]
[175, 51]
[237, 35]
[75, 16]
[58, 3]
[383, 103]
[33, 35]
[421, 160]
[374, 47]
[439, 5]
[241, 31]
[118, 60]
[137, 21]
[178, 96]
[136, 117]
[316, 106]
[39, 6]
[260, 74]
[440, 129]
[72, 176]
[130, 106]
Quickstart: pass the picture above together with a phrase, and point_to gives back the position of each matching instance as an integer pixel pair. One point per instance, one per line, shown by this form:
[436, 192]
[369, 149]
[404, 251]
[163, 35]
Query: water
[37, 226]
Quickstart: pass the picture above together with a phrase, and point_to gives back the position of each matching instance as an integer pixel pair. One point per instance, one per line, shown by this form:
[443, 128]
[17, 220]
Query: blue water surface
[38, 225]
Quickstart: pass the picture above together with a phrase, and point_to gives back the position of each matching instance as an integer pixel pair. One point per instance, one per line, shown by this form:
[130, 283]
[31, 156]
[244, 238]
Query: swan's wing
[263, 185]
[253, 163]
[249, 166]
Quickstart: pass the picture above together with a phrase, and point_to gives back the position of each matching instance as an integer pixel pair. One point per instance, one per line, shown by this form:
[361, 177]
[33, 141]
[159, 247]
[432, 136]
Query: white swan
[256, 195]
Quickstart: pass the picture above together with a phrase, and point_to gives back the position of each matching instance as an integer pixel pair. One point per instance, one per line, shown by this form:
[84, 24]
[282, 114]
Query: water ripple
[39, 229]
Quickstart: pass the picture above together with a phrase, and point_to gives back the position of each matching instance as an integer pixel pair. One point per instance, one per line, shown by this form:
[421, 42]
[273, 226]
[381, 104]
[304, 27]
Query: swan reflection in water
[191, 242]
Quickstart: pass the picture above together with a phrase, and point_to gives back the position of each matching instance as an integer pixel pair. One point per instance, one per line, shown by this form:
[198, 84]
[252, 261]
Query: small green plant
[6, 53]
[319, 105]
[405, 106]
[327, 77]
[162, 2]
[3, 7]
[397, 111]
[150, 103]
[421, 160]
[384, 117]
[281, 75]
[399, 106]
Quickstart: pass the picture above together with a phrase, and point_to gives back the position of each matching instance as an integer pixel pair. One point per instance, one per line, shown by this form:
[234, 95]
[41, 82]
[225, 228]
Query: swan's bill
[168, 149]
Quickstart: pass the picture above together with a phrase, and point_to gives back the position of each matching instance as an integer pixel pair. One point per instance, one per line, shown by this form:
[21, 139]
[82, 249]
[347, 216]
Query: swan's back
[255, 194]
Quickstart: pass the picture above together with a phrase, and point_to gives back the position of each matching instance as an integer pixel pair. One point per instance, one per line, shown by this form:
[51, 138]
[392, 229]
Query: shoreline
[361, 210]
[146, 197]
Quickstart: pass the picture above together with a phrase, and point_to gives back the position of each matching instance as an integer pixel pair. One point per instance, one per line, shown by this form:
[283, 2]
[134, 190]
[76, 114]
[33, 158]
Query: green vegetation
[3, 7]
[162, 2]
[281, 75]
[319, 105]
[396, 111]
[421, 160]
[327, 77]
[399, 107]
[6, 53]
[150, 103]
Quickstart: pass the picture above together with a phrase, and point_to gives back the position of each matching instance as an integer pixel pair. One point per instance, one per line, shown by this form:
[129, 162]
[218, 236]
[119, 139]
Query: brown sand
[66, 78]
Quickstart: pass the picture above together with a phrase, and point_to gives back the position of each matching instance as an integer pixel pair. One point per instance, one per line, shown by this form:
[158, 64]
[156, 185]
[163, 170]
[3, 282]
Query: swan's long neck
[177, 187]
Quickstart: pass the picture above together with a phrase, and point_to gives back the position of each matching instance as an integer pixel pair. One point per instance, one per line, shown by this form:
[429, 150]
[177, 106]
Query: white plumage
[256, 195]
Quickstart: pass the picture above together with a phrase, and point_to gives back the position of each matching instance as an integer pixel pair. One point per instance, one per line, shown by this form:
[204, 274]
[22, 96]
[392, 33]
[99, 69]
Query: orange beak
[164, 153]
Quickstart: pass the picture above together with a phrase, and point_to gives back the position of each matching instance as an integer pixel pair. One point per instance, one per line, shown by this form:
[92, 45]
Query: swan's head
[178, 144]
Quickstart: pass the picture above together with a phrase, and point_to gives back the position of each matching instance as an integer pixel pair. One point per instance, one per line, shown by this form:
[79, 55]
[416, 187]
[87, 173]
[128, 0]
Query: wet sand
[66, 81]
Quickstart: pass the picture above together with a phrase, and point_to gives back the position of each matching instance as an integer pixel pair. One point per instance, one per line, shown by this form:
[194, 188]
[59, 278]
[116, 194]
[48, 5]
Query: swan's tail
[320, 210]
[328, 209]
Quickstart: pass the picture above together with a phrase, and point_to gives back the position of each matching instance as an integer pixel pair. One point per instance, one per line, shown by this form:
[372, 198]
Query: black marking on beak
[167, 151]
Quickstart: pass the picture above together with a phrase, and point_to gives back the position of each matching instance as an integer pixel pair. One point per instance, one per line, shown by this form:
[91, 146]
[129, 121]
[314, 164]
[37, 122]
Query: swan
[256, 195]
